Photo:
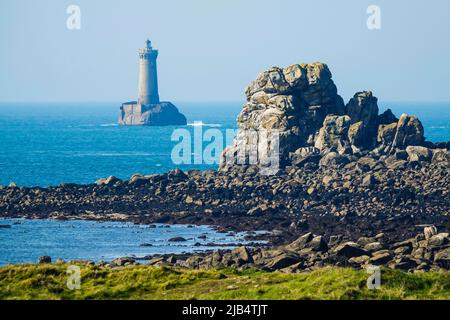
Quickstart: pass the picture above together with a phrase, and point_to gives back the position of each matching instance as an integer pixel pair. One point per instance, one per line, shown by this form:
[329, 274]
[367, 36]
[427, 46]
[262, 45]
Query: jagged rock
[380, 257]
[305, 155]
[138, 180]
[387, 117]
[442, 258]
[401, 154]
[107, 181]
[333, 159]
[318, 243]
[294, 101]
[333, 134]
[417, 153]
[386, 133]
[242, 254]
[301, 242]
[123, 261]
[373, 246]
[441, 156]
[368, 181]
[363, 111]
[437, 240]
[409, 132]
[282, 261]
[177, 175]
[363, 107]
[359, 260]
[405, 263]
[301, 104]
[356, 134]
[350, 250]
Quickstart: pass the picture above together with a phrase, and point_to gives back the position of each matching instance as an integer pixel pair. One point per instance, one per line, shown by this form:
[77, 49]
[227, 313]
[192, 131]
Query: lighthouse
[148, 110]
[148, 75]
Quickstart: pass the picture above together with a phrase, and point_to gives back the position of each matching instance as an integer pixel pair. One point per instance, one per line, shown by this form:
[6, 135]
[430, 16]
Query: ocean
[26, 240]
[43, 144]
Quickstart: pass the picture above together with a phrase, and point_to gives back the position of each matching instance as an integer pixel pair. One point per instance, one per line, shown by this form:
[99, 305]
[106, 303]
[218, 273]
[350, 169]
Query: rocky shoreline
[427, 251]
[348, 177]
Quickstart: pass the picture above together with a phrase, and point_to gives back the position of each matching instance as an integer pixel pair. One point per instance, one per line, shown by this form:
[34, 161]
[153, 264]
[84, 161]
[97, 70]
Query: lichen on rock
[301, 103]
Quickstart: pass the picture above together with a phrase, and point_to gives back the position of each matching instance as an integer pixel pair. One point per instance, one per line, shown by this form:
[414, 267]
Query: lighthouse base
[161, 114]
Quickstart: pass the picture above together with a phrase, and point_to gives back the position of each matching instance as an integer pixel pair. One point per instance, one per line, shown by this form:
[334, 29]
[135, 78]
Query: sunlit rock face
[301, 103]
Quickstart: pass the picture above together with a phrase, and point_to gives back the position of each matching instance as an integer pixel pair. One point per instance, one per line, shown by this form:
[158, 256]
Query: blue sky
[211, 49]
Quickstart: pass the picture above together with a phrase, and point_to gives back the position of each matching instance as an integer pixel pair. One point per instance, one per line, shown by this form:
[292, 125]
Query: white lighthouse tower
[148, 110]
[148, 75]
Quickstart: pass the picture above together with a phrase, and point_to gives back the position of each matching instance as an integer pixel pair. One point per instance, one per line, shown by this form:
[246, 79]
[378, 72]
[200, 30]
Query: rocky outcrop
[161, 114]
[293, 101]
[333, 135]
[301, 104]
[310, 252]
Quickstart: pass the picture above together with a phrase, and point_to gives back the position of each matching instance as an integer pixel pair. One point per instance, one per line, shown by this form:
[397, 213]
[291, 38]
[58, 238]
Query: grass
[143, 282]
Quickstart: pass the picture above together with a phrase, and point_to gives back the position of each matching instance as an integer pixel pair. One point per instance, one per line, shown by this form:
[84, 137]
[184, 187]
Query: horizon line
[193, 101]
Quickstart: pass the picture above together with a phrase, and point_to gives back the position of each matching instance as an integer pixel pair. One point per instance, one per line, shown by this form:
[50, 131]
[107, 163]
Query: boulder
[386, 134]
[301, 242]
[387, 117]
[442, 258]
[350, 250]
[177, 239]
[405, 263]
[441, 156]
[429, 231]
[111, 180]
[409, 132]
[45, 259]
[368, 181]
[418, 153]
[242, 254]
[357, 134]
[318, 243]
[138, 180]
[380, 257]
[282, 261]
[373, 246]
[333, 134]
[305, 155]
[363, 107]
[177, 175]
[437, 240]
[123, 261]
[333, 159]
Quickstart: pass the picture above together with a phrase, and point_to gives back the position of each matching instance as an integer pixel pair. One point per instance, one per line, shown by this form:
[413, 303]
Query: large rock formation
[161, 114]
[301, 104]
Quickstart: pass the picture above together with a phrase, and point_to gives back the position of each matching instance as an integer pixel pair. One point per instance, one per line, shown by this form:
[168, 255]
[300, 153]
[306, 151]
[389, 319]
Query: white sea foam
[201, 124]
[109, 125]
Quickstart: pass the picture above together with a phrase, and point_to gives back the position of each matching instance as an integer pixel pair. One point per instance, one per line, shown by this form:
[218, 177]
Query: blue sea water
[27, 240]
[46, 144]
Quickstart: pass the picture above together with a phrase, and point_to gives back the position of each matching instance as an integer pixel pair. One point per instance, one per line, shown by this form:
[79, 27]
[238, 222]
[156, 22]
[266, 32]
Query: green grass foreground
[143, 282]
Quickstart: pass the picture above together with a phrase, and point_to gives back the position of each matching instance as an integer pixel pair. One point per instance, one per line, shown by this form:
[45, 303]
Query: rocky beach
[354, 187]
